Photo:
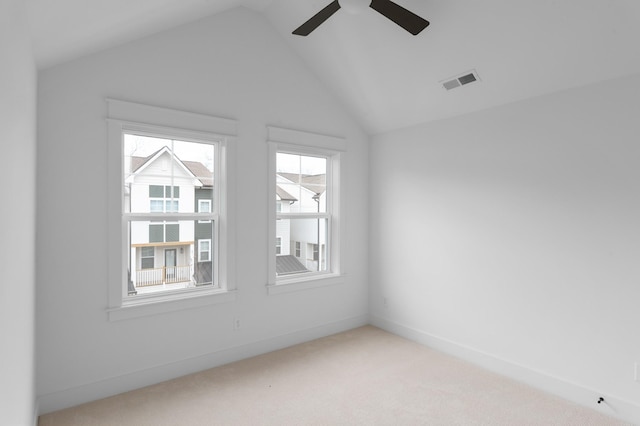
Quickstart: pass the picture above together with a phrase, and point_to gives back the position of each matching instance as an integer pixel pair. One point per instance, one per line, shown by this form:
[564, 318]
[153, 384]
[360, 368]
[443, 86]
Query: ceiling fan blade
[317, 19]
[401, 16]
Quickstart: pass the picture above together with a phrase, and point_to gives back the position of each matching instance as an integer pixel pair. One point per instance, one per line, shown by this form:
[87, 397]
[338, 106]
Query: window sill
[142, 307]
[304, 283]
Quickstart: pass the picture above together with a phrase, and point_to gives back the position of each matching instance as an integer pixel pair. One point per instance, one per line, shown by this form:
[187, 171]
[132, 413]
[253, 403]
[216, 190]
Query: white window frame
[127, 117]
[312, 144]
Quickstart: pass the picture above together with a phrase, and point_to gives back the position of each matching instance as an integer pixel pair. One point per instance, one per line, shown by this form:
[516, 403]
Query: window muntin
[163, 178]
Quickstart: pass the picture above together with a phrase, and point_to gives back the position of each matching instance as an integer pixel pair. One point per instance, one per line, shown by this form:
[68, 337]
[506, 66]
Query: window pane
[204, 205]
[147, 263]
[301, 180]
[172, 206]
[156, 206]
[172, 232]
[166, 170]
[147, 251]
[155, 191]
[303, 250]
[171, 263]
[156, 233]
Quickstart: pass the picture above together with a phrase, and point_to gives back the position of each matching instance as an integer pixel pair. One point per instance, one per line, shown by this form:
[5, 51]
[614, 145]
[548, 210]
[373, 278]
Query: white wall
[511, 237]
[231, 65]
[17, 214]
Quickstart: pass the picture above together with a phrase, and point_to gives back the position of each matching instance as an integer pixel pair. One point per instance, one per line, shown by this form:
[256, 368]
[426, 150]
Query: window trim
[306, 143]
[127, 117]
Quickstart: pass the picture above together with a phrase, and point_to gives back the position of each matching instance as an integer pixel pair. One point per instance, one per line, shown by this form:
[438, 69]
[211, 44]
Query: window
[315, 252]
[164, 232]
[147, 257]
[171, 227]
[163, 199]
[304, 175]
[204, 250]
[204, 206]
[304, 178]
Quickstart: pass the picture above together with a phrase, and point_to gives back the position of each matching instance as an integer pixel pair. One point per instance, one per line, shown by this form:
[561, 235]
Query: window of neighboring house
[306, 169]
[164, 232]
[278, 245]
[204, 206]
[156, 174]
[204, 250]
[147, 257]
[164, 199]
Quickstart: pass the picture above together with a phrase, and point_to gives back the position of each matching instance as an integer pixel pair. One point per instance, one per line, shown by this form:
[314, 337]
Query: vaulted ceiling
[386, 77]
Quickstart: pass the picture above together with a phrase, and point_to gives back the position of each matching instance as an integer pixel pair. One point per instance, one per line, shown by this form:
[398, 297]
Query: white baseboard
[112, 386]
[613, 406]
[36, 410]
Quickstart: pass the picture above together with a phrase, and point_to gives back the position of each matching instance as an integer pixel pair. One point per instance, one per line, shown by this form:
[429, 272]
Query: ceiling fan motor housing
[354, 6]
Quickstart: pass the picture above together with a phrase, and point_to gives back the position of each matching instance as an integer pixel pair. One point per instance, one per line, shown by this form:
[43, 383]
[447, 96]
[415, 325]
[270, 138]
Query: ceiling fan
[398, 14]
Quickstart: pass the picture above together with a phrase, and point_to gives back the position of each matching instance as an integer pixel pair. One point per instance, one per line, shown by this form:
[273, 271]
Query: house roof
[200, 171]
[197, 169]
[314, 183]
[284, 195]
[289, 264]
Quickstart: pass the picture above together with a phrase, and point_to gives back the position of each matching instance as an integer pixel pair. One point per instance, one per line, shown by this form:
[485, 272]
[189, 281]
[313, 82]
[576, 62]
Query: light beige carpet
[361, 377]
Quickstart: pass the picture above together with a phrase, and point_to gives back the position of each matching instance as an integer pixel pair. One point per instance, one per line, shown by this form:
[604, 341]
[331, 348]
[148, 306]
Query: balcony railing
[164, 275]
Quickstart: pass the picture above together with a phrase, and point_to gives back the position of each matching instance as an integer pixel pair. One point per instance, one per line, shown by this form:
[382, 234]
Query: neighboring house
[169, 252]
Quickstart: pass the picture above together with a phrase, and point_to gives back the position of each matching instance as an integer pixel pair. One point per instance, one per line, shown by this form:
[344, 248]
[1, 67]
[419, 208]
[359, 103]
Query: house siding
[203, 271]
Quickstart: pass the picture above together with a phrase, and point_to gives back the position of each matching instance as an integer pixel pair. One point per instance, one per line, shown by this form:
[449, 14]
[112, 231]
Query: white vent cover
[461, 80]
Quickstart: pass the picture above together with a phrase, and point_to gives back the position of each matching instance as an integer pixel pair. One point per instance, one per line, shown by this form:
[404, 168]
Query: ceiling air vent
[466, 78]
